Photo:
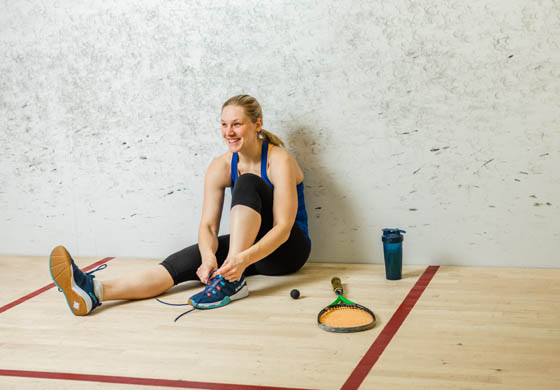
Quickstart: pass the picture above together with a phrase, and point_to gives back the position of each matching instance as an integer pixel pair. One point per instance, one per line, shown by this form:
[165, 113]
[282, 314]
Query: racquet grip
[337, 285]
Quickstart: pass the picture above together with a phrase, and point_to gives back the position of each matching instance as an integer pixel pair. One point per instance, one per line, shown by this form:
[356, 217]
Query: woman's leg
[251, 212]
[251, 218]
[287, 259]
[244, 225]
[146, 283]
[153, 281]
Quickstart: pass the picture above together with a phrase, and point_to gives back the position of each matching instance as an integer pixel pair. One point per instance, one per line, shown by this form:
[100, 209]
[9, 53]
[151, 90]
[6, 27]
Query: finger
[231, 277]
[224, 269]
[205, 275]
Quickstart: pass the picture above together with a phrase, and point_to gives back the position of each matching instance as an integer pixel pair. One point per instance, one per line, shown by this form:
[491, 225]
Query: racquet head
[343, 315]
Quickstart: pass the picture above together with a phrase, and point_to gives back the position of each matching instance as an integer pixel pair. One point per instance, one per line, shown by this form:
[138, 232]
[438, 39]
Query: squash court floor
[437, 328]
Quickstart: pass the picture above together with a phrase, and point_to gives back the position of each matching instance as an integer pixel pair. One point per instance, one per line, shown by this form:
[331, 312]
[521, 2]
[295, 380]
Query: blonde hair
[254, 111]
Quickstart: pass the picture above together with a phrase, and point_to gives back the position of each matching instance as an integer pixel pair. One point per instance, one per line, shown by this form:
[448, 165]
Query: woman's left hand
[233, 267]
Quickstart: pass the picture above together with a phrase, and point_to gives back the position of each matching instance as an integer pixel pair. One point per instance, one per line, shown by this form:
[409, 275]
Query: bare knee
[158, 279]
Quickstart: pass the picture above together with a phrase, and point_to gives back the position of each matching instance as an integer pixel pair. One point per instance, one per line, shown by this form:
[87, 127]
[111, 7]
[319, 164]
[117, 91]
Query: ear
[259, 124]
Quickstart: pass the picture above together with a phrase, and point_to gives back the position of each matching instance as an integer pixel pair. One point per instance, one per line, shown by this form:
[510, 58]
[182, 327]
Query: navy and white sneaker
[77, 286]
[219, 292]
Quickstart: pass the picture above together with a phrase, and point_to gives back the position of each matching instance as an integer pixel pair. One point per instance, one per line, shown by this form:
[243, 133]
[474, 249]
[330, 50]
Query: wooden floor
[472, 328]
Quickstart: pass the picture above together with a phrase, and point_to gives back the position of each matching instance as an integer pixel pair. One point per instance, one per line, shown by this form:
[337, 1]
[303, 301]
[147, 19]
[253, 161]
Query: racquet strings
[343, 316]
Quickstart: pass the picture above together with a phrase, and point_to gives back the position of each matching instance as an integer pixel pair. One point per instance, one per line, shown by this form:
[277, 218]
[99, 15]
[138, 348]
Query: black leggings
[252, 191]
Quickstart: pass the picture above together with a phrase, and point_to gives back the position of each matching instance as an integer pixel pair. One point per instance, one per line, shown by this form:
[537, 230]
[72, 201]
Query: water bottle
[392, 251]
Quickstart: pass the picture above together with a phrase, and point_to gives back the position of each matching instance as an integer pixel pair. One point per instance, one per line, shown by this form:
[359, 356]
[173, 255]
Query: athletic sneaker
[78, 287]
[219, 292]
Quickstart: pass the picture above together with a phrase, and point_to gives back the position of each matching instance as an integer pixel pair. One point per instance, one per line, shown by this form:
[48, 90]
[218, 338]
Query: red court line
[135, 381]
[48, 287]
[384, 338]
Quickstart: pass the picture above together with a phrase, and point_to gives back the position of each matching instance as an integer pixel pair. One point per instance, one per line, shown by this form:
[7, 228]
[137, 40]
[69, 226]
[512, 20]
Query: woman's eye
[237, 124]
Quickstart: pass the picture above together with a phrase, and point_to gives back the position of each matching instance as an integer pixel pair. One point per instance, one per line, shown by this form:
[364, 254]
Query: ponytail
[273, 139]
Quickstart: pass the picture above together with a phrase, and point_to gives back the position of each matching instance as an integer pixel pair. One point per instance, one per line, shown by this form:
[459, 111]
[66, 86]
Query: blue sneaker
[219, 292]
[78, 287]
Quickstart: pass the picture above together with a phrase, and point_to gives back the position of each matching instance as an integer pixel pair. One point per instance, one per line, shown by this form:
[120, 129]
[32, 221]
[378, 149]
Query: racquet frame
[341, 302]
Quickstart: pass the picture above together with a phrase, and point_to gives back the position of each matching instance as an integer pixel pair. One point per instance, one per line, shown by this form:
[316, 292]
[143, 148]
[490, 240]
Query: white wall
[438, 117]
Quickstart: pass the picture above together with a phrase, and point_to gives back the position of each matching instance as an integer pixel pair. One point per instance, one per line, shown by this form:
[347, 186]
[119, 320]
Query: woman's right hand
[203, 272]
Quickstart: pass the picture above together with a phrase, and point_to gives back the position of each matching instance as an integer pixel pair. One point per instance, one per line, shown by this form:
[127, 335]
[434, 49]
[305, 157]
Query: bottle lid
[392, 235]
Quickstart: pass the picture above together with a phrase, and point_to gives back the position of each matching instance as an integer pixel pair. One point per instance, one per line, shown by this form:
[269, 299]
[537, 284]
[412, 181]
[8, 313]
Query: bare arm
[217, 179]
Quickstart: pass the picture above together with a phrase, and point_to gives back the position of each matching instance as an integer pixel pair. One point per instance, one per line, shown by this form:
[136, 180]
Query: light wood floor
[473, 328]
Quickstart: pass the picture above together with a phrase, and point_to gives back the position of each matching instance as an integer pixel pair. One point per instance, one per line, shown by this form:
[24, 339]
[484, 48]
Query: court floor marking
[48, 287]
[352, 383]
[384, 338]
[136, 381]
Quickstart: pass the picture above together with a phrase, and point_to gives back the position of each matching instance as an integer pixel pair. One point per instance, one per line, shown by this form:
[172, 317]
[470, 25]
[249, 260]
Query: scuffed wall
[438, 117]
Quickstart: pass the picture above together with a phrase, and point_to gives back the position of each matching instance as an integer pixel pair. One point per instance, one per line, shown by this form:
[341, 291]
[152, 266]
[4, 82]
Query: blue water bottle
[392, 250]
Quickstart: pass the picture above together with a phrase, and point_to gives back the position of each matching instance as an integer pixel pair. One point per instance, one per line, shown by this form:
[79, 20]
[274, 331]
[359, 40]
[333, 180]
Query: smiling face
[237, 128]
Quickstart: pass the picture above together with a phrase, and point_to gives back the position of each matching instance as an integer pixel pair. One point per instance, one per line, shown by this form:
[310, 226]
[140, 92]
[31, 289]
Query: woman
[268, 225]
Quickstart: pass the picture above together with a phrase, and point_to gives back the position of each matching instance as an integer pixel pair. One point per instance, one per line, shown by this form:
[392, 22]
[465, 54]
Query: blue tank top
[301, 216]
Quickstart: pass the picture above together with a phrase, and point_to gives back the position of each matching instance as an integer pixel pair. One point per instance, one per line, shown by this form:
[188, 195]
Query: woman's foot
[219, 292]
[78, 287]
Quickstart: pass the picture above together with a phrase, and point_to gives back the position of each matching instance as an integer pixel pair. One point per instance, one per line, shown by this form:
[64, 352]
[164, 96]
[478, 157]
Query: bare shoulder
[278, 153]
[221, 161]
[281, 157]
[219, 170]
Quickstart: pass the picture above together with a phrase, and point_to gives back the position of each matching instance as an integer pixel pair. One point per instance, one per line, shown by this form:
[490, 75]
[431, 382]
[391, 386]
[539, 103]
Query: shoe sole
[60, 264]
[242, 293]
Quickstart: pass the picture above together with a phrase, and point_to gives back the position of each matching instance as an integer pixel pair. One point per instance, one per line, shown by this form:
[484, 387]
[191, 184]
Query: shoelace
[214, 285]
[206, 289]
[99, 268]
[177, 304]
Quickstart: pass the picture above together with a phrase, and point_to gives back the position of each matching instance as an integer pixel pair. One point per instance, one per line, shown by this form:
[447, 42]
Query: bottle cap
[392, 236]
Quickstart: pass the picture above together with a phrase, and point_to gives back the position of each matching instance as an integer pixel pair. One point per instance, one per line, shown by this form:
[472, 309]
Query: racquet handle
[337, 285]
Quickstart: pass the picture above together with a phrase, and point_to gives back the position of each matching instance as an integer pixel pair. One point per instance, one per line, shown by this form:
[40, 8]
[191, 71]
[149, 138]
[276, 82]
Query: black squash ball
[294, 293]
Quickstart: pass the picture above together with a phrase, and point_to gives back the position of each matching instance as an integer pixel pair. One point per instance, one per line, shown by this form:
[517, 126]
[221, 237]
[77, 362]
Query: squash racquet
[343, 315]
